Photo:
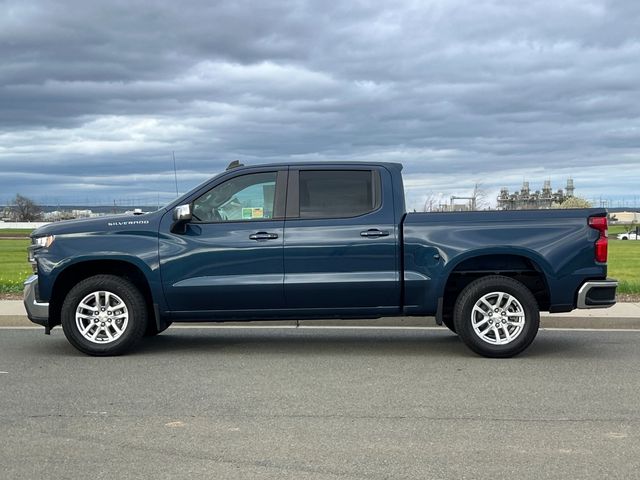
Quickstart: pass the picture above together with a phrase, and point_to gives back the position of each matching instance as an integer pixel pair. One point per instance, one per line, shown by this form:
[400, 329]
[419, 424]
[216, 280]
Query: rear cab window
[337, 193]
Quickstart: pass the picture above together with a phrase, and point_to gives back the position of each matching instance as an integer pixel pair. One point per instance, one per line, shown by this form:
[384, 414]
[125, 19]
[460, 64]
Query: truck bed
[557, 243]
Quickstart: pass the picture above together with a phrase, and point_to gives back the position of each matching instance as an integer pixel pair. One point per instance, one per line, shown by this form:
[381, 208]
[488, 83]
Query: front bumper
[597, 294]
[38, 312]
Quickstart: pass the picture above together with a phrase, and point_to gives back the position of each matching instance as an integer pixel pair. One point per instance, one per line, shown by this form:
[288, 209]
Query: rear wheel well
[77, 272]
[518, 267]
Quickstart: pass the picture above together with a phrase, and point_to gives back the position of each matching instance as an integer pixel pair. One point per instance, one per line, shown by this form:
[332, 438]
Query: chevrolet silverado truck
[315, 241]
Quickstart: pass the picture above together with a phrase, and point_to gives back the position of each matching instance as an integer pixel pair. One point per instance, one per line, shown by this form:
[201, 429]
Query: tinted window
[247, 197]
[338, 193]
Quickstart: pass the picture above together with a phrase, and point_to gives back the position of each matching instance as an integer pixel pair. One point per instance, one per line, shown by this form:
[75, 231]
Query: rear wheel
[104, 315]
[496, 316]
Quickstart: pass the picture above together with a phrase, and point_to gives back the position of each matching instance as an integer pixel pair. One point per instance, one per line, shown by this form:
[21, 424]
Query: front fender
[139, 249]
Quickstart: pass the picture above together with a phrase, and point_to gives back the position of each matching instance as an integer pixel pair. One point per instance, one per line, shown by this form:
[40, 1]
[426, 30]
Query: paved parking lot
[222, 403]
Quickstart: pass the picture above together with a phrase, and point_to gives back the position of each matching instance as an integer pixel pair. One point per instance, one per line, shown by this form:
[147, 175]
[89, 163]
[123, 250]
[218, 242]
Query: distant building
[625, 217]
[470, 203]
[6, 214]
[525, 199]
[81, 213]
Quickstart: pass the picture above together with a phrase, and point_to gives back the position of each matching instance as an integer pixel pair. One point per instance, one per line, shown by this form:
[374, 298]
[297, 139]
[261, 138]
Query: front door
[230, 256]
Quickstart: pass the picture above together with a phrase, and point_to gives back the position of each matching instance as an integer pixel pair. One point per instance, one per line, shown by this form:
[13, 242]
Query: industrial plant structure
[526, 199]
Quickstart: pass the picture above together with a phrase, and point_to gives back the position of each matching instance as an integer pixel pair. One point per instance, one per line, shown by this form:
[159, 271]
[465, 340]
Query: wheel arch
[80, 270]
[521, 266]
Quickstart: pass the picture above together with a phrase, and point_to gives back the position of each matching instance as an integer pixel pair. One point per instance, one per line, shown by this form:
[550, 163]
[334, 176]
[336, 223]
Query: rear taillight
[602, 243]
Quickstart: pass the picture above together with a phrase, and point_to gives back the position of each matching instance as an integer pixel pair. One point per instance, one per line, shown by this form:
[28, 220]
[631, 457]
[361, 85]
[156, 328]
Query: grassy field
[14, 267]
[616, 229]
[624, 264]
[14, 232]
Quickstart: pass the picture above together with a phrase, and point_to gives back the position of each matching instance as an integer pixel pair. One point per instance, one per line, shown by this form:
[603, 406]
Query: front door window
[243, 198]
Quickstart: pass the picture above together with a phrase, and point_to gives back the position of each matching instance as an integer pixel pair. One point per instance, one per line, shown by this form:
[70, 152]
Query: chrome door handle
[374, 232]
[263, 236]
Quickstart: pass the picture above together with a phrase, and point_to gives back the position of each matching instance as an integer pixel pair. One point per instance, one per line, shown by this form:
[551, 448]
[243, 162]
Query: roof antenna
[175, 172]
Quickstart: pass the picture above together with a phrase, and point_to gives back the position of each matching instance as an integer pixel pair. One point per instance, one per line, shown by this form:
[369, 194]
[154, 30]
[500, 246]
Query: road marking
[559, 329]
[176, 424]
[20, 328]
[304, 327]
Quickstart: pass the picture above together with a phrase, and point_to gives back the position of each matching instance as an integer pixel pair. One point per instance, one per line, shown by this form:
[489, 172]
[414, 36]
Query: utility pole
[175, 172]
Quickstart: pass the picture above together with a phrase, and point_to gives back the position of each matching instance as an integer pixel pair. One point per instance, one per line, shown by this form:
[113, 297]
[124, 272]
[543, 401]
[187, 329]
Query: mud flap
[439, 311]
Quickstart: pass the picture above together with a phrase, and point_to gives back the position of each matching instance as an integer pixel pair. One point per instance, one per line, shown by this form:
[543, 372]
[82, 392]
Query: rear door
[341, 254]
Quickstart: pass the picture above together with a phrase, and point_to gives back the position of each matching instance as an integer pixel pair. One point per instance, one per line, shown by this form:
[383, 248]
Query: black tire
[135, 308]
[473, 293]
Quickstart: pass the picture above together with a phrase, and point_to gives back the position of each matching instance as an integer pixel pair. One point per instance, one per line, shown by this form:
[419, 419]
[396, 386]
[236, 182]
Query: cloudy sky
[94, 96]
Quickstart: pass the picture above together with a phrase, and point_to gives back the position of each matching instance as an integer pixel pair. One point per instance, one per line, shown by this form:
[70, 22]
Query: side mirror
[181, 216]
[182, 213]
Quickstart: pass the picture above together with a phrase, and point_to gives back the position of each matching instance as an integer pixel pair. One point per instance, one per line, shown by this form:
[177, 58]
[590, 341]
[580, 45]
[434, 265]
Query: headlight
[36, 244]
[44, 241]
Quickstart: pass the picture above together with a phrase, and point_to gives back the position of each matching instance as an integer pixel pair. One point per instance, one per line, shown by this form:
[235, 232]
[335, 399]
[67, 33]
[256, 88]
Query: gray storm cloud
[95, 97]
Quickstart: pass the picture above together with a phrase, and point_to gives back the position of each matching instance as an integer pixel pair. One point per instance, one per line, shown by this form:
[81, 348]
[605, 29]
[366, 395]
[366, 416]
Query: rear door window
[338, 193]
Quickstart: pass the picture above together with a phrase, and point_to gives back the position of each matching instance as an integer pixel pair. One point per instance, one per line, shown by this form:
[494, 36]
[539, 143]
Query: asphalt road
[320, 403]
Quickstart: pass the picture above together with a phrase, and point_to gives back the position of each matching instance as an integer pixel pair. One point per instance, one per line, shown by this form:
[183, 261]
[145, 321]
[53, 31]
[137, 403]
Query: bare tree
[25, 210]
[480, 201]
[431, 202]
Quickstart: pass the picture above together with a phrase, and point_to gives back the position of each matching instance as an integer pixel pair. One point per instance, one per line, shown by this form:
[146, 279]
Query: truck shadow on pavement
[344, 342]
[430, 343]
[300, 342]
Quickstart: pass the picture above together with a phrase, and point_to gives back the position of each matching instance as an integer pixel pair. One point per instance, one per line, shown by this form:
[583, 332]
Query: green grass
[15, 232]
[14, 267]
[616, 229]
[624, 264]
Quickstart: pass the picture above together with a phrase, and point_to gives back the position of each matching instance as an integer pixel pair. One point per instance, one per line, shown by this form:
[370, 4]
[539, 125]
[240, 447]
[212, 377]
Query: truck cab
[230, 255]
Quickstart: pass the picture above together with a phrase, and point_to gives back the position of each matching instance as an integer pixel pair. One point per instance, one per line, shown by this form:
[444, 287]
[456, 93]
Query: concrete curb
[620, 316]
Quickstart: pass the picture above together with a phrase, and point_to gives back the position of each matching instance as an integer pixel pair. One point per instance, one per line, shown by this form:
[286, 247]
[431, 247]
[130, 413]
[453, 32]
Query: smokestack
[570, 187]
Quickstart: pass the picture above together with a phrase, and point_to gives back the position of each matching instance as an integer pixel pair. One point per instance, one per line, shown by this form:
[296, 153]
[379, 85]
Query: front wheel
[104, 315]
[496, 316]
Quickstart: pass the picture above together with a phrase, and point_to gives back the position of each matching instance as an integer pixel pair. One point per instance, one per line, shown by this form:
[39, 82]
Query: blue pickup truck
[315, 241]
